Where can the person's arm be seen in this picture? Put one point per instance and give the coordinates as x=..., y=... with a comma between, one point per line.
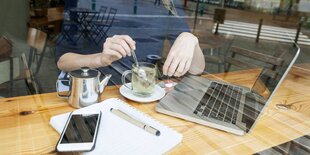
x=184, y=56
x=73, y=61
x=114, y=48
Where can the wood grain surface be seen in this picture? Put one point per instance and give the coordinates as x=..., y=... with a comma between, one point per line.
x=25, y=129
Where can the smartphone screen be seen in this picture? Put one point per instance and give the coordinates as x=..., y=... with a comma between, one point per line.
x=81, y=129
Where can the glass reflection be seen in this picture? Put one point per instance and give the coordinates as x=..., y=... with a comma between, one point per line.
x=87, y=25
x=229, y=105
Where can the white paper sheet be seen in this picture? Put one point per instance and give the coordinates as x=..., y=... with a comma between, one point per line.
x=117, y=136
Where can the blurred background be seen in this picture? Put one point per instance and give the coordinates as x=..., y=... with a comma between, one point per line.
x=32, y=30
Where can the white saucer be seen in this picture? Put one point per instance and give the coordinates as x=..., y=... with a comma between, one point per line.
x=156, y=95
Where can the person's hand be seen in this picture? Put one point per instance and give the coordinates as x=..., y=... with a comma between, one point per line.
x=115, y=48
x=180, y=56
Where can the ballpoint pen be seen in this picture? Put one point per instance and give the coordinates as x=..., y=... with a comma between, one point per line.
x=135, y=122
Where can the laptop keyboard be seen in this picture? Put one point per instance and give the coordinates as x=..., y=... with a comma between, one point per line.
x=221, y=102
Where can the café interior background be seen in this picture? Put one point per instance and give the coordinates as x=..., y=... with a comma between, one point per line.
x=242, y=18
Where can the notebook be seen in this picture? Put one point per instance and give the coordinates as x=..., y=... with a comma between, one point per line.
x=117, y=136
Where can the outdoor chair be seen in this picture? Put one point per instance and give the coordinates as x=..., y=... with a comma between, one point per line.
x=103, y=10
x=15, y=69
x=101, y=27
x=248, y=59
x=36, y=39
x=215, y=47
x=70, y=31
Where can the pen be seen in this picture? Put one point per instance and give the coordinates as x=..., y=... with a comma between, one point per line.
x=135, y=122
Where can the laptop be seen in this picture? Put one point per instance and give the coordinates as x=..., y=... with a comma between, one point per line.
x=222, y=105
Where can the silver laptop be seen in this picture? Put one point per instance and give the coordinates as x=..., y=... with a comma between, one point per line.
x=222, y=105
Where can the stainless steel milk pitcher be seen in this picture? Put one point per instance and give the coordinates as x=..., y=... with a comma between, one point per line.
x=85, y=87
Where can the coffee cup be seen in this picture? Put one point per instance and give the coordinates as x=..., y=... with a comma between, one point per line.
x=143, y=79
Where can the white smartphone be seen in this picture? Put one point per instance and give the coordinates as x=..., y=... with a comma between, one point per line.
x=80, y=132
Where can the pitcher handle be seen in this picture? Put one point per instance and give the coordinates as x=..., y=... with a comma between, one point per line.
x=58, y=92
x=124, y=78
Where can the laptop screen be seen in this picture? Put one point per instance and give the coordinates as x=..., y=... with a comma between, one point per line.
x=268, y=79
x=267, y=83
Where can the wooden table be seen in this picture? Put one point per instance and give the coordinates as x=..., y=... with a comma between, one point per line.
x=25, y=129
x=54, y=17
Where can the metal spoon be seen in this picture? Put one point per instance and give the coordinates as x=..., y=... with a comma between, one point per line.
x=141, y=72
x=135, y=58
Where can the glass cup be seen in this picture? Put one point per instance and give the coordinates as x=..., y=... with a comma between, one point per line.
x=143, y=79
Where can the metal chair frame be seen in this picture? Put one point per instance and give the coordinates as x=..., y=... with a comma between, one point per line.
x=100, y=28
